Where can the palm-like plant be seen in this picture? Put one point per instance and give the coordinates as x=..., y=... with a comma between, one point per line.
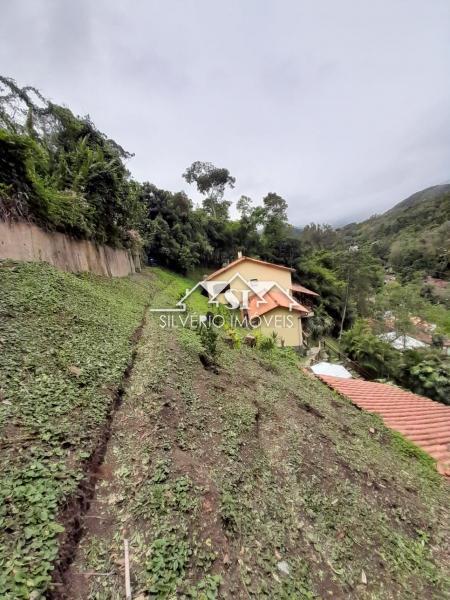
x=375, y=356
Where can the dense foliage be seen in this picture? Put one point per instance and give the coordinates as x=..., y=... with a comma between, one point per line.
x=59, y=170
x=374, y=355
x=424, y=371
x=412, y=237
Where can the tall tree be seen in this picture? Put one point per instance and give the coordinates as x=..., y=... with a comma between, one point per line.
x=275, y=221
x=363, y=275
x=247, y=236
x=244, y=206
x=211, y=181
x=175, y=234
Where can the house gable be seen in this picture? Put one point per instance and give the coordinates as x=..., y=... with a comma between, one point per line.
x=253, y=269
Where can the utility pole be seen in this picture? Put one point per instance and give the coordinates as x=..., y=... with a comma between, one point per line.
x=344, y=310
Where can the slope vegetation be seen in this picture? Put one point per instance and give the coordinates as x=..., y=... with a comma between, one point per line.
x=414, y=235
x=65, y=343
x=249, y=480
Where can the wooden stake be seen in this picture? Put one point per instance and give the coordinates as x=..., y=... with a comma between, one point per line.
x=127, y=571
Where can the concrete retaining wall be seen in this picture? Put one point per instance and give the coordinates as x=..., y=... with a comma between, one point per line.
x=27, y=242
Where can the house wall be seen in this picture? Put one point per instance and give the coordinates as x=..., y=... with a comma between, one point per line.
x=27, y=242
x=278, y=320
x=250, y=270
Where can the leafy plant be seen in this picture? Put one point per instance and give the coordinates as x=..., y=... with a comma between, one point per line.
x=234, y=336
x=266, y=342
x=165, y=565
x=208, y=336
x=207, y=588
x=376, y=357
x=425, y=372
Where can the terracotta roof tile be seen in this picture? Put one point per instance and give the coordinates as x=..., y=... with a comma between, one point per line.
x=421, y=420
x=296, y=287
x=274, y=299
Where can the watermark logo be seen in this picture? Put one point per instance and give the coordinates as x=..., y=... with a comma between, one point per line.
x=249, y=301
x=237, y=293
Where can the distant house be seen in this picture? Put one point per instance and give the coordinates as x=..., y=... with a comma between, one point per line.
x=402, y=342
x=267, y=297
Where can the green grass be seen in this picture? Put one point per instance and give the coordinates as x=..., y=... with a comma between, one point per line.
x=177, y=286
x=65, y=343
x=409, y=449
x=288, y=471
x=438, y=314
x=215, y=477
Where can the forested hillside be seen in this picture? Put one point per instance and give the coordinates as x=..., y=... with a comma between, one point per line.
x=60, y=171
x=412, y=236
x=232, y=473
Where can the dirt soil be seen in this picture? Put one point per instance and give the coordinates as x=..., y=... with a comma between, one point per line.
x=254, y=481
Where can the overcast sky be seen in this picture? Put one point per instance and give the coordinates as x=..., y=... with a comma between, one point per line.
x=340, y=106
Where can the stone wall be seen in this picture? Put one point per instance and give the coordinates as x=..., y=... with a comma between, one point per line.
x=27, y=242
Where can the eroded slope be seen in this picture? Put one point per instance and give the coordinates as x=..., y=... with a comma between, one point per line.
x=255, y=482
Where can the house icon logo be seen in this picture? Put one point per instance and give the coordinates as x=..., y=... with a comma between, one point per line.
x=237, y=293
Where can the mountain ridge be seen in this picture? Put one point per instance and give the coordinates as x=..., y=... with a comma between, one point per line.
x=428, y=193
x=412, y=236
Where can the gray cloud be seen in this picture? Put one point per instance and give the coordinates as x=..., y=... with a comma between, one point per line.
x=341, y=107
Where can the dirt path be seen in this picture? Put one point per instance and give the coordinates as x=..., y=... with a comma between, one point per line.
x=154, y=481
x=250, y=483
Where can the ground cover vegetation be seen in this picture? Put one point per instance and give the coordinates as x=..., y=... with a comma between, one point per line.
x=223, y=478
x=243, y=478
x=65, y=343
x=59, y=170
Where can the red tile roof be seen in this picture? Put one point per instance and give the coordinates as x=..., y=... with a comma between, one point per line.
x=295, y=287
x=244, y=258
x=421, y=420
x=274, y=299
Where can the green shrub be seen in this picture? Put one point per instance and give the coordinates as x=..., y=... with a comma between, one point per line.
x=234, y=336
x=266, y=342
x=376, y=357
x=425, y=372
x=208, y=336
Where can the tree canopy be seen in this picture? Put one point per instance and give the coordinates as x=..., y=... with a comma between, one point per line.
x=59, y=170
